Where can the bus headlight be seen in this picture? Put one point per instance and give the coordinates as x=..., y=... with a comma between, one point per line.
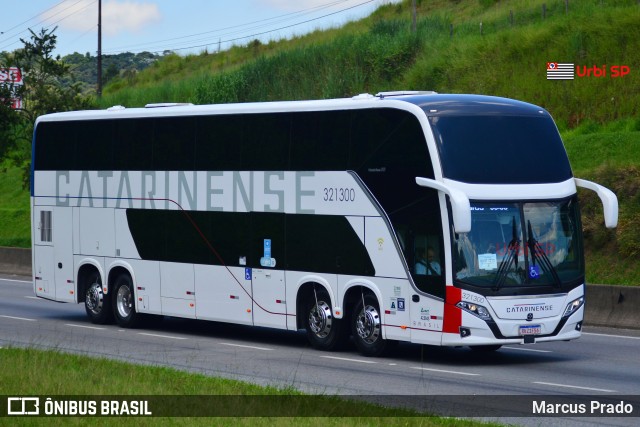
x=475, y=309
x=573, y=306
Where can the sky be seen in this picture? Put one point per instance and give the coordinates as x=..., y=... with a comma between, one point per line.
x=184, y=26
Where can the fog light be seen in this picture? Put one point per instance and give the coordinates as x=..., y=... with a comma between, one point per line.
x=464, y=332
x=579, y=326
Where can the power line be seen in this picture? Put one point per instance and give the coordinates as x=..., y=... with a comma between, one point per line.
x=255, y=34
x=279, y=18
x=30, y=19
x=48, y=18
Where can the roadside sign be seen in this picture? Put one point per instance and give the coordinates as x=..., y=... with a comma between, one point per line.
x=12, y=76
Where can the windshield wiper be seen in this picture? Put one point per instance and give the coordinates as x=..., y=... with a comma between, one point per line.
x=538, y=252
x=512, y=254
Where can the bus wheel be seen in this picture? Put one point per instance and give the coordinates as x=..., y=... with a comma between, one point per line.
x=485, y=348
x=97, y=305
x=366, y=326
x=324, y=331
x=123, y=302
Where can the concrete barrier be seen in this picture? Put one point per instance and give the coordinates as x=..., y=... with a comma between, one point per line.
x=606, y=305
x=15, y=261
x=614, y=306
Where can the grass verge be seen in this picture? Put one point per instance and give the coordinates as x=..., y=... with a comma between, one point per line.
x=51, y=373
x=15, y=223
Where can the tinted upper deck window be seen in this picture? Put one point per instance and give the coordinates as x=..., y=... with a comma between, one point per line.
x=500, y=149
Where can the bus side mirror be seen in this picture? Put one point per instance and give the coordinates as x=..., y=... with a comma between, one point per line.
x=608, y=199
x=459, y=203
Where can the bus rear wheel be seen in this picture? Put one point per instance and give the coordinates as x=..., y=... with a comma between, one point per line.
x=96, y=303
x=124, y=308
x=366, y=326
x=324, y=331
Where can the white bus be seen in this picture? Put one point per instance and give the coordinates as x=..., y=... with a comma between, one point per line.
x=406, y=216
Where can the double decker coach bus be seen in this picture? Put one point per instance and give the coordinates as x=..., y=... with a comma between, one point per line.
x=414, y=216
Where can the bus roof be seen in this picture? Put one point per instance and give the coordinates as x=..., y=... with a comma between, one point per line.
x=433, y=104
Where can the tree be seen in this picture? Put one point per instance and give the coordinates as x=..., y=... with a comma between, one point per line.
x=43, y=76
x=43, y=93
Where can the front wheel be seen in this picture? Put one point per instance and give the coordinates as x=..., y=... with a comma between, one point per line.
x=324, y=331
x=124, y=303
x=96, y=303
x=366, y=327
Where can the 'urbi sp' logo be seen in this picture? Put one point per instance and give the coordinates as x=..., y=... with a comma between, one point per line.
x=568, y=71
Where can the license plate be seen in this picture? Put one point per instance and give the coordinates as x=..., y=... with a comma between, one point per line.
x=531, y=330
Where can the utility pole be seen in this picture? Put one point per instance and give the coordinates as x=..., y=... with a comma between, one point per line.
x=99, y=90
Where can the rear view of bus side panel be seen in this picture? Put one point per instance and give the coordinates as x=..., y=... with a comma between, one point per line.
x=53, y=253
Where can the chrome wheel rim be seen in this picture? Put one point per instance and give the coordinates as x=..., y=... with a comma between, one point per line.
x=368, y=324
x=123, y=301
x=320, y=319
x=94, y=298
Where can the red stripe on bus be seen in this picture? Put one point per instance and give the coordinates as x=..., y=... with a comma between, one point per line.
x=452, y=314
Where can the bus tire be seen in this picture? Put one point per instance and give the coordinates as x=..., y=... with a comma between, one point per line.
x=96, y=303
x=324, y=331
x=124, y=307
x=366, y=326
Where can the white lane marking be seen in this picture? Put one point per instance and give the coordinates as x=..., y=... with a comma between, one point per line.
x=30, y=297
x=18, y=318
x=535, y=350
x=246, y=346
x=346, y=359
x=161, y=336
x=575, y=386
x=85, y=326
x=444, y=371
x=16, y=281
x=611, y=336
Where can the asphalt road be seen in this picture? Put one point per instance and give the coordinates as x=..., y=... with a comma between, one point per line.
x=604, y=363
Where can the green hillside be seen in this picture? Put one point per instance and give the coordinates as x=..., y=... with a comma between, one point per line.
x=447, y=53
x=494, y=47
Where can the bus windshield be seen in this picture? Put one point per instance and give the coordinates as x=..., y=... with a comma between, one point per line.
x=515, y=244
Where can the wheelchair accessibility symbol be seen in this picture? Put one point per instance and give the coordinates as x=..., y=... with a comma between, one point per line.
x=534, y=271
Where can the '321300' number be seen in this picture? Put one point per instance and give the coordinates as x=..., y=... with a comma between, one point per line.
x=339, y=194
